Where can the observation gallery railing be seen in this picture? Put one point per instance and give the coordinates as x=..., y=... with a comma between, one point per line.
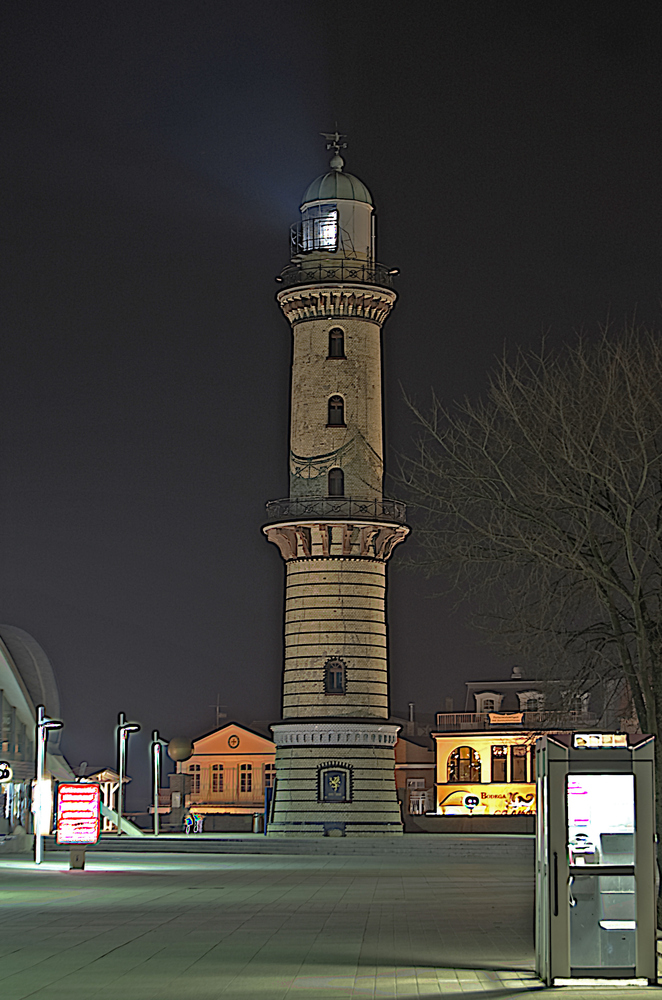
x=342, y=270
x=313, y=508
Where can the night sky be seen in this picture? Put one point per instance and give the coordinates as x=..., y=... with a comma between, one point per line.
x=153, y=158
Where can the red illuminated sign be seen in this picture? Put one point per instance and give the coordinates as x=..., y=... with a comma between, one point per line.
x=78, y=813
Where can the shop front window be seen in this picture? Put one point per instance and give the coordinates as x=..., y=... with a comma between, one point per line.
x=499, y=761
x=464, y=765
x=518, y=761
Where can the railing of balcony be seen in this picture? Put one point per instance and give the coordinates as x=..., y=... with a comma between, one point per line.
x=308, y=508
x=231, y=787
x=311, y=272
x=459, y=721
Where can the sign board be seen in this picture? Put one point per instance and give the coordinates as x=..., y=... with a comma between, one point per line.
x=78, y=813
x=505, y=718
x=6, y=773
x=586, y=741
x=492, y=799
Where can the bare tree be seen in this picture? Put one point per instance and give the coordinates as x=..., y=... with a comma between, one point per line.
x=545, y=500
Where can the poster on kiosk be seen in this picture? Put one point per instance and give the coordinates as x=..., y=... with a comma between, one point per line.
x=78, y=813
x=595, y=871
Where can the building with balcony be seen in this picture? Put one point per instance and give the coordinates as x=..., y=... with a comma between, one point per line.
x=228, y=772
x=485, y=756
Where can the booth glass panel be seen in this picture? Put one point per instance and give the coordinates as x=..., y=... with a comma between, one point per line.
x=600, y=810
x=602, y=924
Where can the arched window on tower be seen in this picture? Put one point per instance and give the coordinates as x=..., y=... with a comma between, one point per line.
x=336, y=412
x=463, y=765
x=334, y=677
x=336, y=343
x=336, y=483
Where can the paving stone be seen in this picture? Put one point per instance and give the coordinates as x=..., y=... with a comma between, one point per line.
x=271, y=927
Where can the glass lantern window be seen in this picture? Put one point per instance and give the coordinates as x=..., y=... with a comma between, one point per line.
x=318, y=229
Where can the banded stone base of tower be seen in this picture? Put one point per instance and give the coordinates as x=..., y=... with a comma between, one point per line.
x=308, y=756
x=335, y=760
x=335, y=748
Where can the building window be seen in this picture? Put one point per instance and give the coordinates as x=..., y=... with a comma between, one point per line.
x=531, y=701
x=336, y=343
x=488, y=701
x=269, y=775
x=217, y=778
x=245, y=777
x=194, y=771
x=499, y=759
x=463, y=765
x=518, y=760
x=335, y=784
x=336, y=483
x=336, y=412
x=334, y=677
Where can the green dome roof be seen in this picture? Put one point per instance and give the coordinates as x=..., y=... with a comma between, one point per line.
x=335, y=184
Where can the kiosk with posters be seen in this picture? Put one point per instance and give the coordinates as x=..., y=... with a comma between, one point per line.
x=595, y=858
x=78, y=818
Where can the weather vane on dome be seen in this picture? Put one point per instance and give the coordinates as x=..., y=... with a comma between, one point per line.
x=333, y=140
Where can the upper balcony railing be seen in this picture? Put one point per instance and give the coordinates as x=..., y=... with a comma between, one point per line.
x=311, y=272
x=452, y=722
x=347, y=508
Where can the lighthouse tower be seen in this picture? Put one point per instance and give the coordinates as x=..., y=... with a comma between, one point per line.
x=336, y=530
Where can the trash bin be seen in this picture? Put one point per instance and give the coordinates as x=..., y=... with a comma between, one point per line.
x=258, y=823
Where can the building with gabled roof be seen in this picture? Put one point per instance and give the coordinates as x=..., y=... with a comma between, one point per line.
x=229, y=770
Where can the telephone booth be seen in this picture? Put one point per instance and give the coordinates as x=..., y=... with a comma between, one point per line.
x=595, y=858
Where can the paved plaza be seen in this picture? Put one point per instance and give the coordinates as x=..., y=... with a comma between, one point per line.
x=269, y=927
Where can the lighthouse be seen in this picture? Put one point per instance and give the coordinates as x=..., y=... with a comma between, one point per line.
x=335, y=531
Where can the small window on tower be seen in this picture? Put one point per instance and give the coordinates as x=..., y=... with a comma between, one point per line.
x=336, y=483
x=334, y=677
x=336, y=412
x=336, y=343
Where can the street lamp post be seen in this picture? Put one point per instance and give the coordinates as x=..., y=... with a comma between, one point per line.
x=157, y=745
x=123, y=730
x=43, y=724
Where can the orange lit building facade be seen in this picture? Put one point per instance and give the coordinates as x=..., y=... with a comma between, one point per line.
x=488, y=773
x=229, y=771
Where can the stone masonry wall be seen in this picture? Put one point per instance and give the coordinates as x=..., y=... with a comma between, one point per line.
x=356, y=378
x=335, y=607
